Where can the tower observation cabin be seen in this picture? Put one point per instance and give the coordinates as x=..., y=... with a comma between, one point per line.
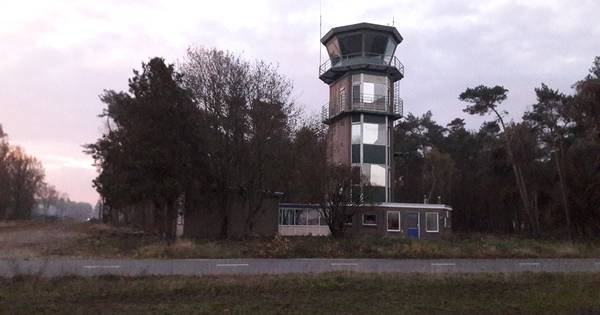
x=363, y=75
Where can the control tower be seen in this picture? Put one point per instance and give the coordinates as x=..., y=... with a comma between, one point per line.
x=363, y=75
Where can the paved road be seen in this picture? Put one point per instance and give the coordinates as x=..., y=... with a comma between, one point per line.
x=198, y=267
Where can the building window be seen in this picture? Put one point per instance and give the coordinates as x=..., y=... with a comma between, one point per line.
x=312, y=217
x=374, y=174
x=286, y=217
x=356, y=99
x=374, y=133
x=393, y=221
x=369, y=219
x=341, y=100
x=356, y=134
x=374, y=154
x=301, y=217
x=322, y=221
x=368, y=92
x=373, y=194
x=348, y=220
x=432, y=222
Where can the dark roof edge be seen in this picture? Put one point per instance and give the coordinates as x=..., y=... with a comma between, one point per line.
x=362, y=26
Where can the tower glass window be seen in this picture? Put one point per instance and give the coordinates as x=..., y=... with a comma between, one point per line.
x=375, y=174
x=370, y=92
x=374, y=133
x=369, y=136
x=351, y=44
x=375, y=43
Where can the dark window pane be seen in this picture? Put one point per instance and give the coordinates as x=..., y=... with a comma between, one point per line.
x=333, y=48
x=351, y=44
x=393, y=221
x=389, y=50
x=374, y=194
x=356, y=97
x=375, y=43
x=356, y=153
x=432, y=221
x=355, y=117
x=374, y=154
x=369, y=219
x=376, y=119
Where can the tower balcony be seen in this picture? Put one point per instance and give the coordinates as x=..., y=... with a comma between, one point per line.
x=365, y=103
x=335, y=67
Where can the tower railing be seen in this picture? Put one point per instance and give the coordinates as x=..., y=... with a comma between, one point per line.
x=398, y=102
x=370, y=102
x=325, y=112
x=361, y=58
x=398, y=106
x=375, y=103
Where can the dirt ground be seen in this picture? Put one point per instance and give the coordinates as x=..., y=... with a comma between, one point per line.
x=35, y=239
x=40, y=239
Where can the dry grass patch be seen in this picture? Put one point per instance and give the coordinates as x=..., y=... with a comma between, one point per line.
x=336, y=293
x=92, y=240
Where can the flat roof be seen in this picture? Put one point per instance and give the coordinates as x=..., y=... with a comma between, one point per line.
x=437, y=206
x=362, y=26
x=433, y=206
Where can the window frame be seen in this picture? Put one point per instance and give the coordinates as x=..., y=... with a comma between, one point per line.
x=387, y=217
x=437, y=222
x=369, y=224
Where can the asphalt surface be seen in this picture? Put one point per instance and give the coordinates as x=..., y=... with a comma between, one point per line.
x=200, y=267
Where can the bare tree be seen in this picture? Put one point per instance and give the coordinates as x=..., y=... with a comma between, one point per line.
x=248, y=117
x=4, y=175
x=48, y=196
x=26, y=177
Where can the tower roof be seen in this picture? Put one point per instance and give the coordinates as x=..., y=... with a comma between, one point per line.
x=362, y=26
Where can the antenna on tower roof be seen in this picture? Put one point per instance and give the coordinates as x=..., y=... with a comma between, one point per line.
x=320, y=31
x=392, y=21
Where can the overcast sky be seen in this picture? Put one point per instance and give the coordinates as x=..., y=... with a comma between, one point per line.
x=57, y=56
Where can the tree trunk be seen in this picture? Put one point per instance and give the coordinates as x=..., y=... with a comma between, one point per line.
x=171, y=222
x=563, y=193
x=519, y=178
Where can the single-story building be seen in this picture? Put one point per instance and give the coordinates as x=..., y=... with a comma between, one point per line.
x=406, y=220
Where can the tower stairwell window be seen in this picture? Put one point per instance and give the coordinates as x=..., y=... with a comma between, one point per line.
x=341, y=100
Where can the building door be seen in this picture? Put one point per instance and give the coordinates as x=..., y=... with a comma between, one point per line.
x=412, y=225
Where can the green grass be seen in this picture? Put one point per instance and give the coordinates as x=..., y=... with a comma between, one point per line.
x=306, y=294
x=110, y=242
